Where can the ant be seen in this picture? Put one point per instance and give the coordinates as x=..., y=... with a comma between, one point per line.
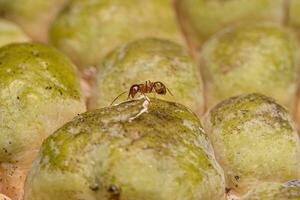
x=148, y=87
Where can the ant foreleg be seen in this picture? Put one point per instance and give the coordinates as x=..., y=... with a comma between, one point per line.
x=145, y=97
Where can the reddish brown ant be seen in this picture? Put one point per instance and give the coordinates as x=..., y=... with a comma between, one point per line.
x=148, y=87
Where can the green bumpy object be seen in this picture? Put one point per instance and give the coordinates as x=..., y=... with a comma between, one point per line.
x=154, y=60
x=142, y=150
x=261, y=58
x=204, y=18
x=39, y=91
x=87, y=30
x=255, y=141
x=33, y=16
x=11, y=33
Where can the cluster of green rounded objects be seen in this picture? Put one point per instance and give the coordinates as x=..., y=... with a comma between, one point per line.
x=139, y=149
x=33, y=16
x=204, y=18
x=11, y=33
x=39, y=91
x=259, y=58
x=149, y=59
x=255, y=141
x=87, y=30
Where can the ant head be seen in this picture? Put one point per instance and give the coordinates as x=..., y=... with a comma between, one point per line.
x=160, y=88
x=133, y=90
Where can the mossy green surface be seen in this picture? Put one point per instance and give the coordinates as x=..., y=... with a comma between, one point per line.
x=154, y=60
x=259, y=58
x=11, y=33
x=275, y=191
x=206, y=17
x=34, y=16
x=38, y=87
x=87, y=30
x=135, y=150
x=255, y=141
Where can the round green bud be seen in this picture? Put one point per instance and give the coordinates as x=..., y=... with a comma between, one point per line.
x=140, y=149
x=34, y=16
x=39, y=91
x=203, y=18
x=149, y=59
x=255, y=141
x=260, y=58
x=11, y=33
x=87, y=30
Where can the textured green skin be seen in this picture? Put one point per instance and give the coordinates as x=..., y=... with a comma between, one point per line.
x=254, y=140
x=11, y=33
x=273, y=191
x=162, y=154
x=149, y=59
x=87, y=30
x=206, y=17
x=261, y=58
x=36, y=81
x=34, y=16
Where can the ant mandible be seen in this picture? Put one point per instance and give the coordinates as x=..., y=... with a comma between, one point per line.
x=148, y=87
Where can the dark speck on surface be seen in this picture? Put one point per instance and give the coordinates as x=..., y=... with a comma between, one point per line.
x=94, y=187
x=237, y=178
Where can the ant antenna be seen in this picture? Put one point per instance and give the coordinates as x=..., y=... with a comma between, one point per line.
x=118, y=97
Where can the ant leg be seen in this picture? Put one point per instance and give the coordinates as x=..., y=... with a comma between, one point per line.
x=148, y=83
x=146, y=98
